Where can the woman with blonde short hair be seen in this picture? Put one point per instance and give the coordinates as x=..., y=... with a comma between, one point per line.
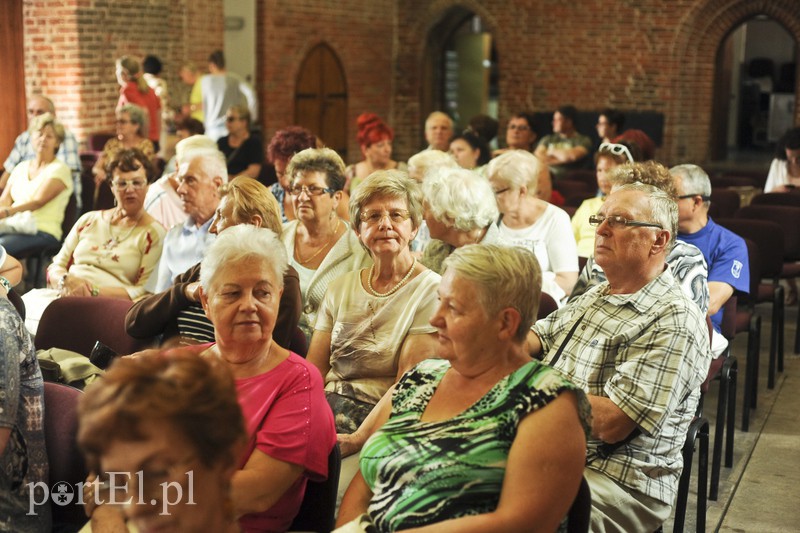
x=532, y=223
x=483, y=416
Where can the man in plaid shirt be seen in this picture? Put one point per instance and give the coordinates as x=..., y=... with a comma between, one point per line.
x=640, y=349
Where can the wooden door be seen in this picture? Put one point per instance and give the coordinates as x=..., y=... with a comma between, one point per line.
x=12, y=72
x=320, y=102
x=721, y=100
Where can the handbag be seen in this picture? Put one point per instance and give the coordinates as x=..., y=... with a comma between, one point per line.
x=23, y=223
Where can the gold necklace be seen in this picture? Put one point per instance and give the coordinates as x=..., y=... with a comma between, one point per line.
x=115, y=240
x=393, y=289
x=315, y=254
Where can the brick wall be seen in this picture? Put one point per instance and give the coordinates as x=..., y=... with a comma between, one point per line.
x=360, y=33
x=645, y=54
x=632, y=54
x=71, y=46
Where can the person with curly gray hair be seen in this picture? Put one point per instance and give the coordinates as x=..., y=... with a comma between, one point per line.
x=460, y=209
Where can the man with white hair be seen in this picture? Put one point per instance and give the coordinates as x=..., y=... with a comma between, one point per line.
x=438, y=131
x=639, y=348
x=200, y=173
x=724, y=251
x=23, y=149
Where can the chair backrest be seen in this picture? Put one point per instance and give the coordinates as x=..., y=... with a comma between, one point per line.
x=318, y=510
x=75, y=323
x=546, y=305
x=728, y=324
x=16, y=301
x=724, y=202
x=776, y=198
x=786, y=217
x=734, y=181
x=580, y=513
x=299, y=343
x=767, y=238
x=64, y=457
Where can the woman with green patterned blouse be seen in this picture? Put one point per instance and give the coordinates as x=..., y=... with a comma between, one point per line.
x=483, y=439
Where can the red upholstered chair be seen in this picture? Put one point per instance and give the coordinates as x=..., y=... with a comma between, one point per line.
x=65, y=460
x=768, y=238
x=546, y=305
x=724, y=202
x=76, y=323
x=787, y=218
x=777, y=198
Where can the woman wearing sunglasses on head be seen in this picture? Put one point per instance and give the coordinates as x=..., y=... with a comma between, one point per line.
x=108, y=253
x=244, y=153
x=608, y=157
x=321, y=246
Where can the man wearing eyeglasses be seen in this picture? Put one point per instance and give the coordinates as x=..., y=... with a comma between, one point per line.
x=200, y=173
x=724, y=251
x=23, y=148
x=638, y=346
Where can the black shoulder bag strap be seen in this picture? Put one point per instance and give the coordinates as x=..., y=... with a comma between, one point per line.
x=557, y=356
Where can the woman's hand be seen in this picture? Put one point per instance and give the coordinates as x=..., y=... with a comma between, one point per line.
x=74, y=286
x=89, y=499
x=348, y=444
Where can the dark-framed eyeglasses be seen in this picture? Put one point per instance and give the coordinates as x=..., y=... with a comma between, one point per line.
x=702, y=197
x=617, y=221
x=313, y=190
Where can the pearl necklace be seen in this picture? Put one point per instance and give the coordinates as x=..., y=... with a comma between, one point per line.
x=393, y=289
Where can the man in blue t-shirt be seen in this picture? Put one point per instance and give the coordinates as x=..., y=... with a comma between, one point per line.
x=724, y=251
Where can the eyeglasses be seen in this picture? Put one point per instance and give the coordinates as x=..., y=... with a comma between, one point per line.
x=616, y=221
x=121, y=185
x=374, y=217
x=702, y=197
x=616, y=149
x=313, y=190
x=521, y=127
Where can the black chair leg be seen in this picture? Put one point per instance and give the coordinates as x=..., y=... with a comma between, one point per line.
x=781, y=318
x=731, y=369
x=719, y=434
x=698, y=429
x=751, y=371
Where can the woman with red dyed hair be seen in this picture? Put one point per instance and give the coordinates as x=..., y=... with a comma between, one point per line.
x=375, y=138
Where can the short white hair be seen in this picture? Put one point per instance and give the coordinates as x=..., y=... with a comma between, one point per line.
x=240, y=243
x=518, y=168
x=429, y=160
x=195, y=142
x=213, y=162
x=460, y=198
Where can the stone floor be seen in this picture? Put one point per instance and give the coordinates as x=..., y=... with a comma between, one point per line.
x=761, y=492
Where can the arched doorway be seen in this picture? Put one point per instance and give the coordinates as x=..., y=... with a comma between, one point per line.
x=460, y=75
x=320, y=100
x=754, y=89
x=12, y=70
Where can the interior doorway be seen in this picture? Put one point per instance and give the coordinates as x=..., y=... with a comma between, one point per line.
x=460, y=71
x=321, y=98
x=754, y=91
